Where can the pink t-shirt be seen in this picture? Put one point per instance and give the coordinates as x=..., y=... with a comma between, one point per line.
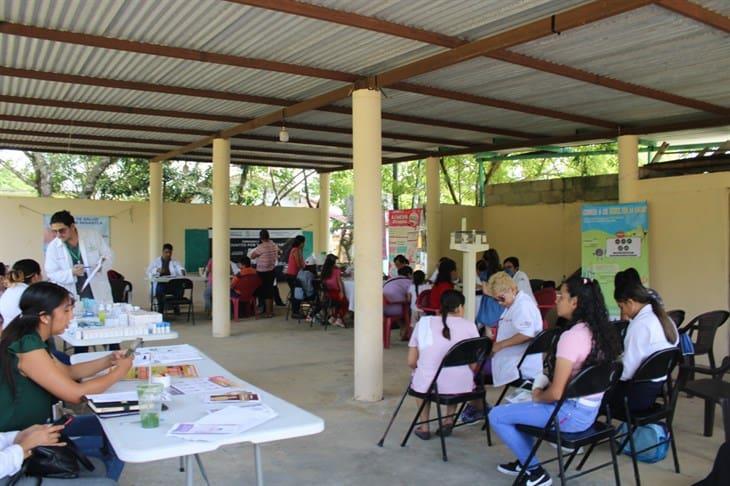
x=432, y=347
x=575, y=345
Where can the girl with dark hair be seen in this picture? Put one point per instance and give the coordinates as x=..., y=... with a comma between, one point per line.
x=631, y=277
x=492, y=264
x=32, y=380
x=650, y=330
x=332, y=281
x=444, y=281
x=432, y=338
x=23, y=273
x=588, y=339
x=418, y=285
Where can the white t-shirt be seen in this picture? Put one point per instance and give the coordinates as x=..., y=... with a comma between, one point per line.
x=10, y=303
x=644, y=336
x=522, y=317
x=412, y=292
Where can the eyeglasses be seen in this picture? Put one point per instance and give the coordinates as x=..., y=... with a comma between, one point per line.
x=60, y=231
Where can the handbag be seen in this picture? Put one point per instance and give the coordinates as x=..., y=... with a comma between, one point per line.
x=57, y=462
x=489, y=311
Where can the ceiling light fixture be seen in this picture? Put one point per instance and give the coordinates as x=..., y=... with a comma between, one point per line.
x=283, y=134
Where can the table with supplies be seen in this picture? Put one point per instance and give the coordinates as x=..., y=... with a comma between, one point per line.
x=187, y=407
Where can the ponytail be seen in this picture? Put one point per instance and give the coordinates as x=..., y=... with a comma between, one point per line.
x=23, y=271
x=668, y=325
x=450, y=301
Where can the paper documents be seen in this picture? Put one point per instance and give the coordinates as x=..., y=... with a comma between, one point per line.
x=93, y=274
x=230, y=420
x=191, y=386
x=166, y=355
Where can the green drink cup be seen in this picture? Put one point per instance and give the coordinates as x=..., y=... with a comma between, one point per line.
x=150, y=404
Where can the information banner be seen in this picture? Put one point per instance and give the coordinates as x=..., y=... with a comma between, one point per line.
x=614, y=238
x=100, y=224
x=404, y=236
x=245, y=239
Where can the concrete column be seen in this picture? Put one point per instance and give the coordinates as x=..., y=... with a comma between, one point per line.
x=368, y=237
x=628, y=168
x=221, y=237
x=433, y=213
x=324, y=212
x=155, y=233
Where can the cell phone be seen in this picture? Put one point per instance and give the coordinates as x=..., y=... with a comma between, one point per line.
x=63, y=420
x=130, y=351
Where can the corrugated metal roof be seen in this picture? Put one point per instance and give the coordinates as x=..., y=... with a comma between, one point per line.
x=650, y=46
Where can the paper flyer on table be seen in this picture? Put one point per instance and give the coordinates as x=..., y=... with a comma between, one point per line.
x=230, y=420
x=166, y=355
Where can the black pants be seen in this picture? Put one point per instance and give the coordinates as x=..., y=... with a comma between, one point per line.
x=295, y=303
x=162, y=292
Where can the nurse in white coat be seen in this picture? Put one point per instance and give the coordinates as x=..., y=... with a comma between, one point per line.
x=72, y=257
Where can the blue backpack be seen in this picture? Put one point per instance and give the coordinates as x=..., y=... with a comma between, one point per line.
x=489, y=311
x=647, y=436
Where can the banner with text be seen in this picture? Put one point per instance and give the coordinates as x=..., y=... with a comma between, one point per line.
x=404, y=237
x=614, y=237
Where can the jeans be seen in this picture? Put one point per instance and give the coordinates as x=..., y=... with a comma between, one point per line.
x=573, y=417
x=89, y=437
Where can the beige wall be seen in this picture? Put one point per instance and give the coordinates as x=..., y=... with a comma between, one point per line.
x=23, y=229
x=689, y=221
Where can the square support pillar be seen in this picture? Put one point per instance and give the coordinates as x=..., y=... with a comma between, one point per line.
x=628, y=168
x=433, y=213
x=155, y=208
x=324, y=213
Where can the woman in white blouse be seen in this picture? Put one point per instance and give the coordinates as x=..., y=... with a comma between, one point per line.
x=650, y=330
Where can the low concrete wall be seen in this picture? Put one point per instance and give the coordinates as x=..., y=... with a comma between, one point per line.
x=554, y=191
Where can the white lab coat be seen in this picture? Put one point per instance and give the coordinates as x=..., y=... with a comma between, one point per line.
x=523, y=283
x=176, y=270
x=522, y=317
x=59, y=266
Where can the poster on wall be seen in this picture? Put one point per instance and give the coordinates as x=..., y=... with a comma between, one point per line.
x=99, y=224
x=404, y=237
x=614, y=237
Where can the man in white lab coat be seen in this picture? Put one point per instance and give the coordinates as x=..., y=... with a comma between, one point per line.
x=164, y=266
x=72, y=257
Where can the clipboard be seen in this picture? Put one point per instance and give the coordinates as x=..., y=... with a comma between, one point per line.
x=93, y=273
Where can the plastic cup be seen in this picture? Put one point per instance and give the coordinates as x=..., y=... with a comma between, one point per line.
x=150, y=404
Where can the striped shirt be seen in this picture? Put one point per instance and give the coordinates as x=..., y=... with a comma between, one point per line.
x=266, y=254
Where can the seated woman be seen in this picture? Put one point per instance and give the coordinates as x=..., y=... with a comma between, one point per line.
x=332, y=282
x=588, y=339
x=32, y=380
x=431, y=340
x=444, y=281
x=418, y=285
x=16, y=446
x=650, y=330
x=520, y=322
x=23, y=273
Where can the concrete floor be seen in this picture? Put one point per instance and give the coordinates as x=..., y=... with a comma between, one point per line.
x=313, y=369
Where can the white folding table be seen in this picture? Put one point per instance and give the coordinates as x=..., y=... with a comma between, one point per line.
x=134, y=444
x=102, y=341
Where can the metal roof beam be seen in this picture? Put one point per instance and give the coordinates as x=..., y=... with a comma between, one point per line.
x=698, y=13
x=179, y=131
x=224, y=95
x=377, y=25
x=582, y=137
x=216, y=118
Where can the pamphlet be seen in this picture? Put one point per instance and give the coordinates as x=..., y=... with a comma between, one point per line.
x=181, y=370
x=191, y=386
x=239, y=397
x=166, y=355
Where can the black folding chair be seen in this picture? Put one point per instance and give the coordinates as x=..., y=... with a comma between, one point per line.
x=467, y=352
x=712, y=390
x=657, y=365
x=177, y=287
x=542, y=343
x=676, y=315
x=702, y=330
x=590, y=381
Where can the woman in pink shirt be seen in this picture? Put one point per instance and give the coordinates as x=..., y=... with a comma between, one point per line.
x=588, y=339
x=432, y=338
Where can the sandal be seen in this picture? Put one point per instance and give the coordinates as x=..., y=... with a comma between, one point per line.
x=422, y=434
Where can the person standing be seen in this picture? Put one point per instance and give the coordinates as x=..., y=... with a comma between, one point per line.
x=164, y=266
x=73, y=255
x=266, y=255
